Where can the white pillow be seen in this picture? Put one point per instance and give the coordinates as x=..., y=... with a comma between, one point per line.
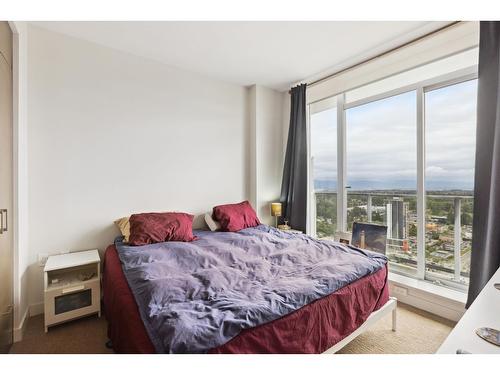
x=212, y=224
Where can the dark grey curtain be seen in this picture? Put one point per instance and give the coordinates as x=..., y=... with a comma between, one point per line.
x=294, y=183
x=485, y=257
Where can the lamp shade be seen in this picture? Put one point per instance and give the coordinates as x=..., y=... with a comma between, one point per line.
x=275, y=209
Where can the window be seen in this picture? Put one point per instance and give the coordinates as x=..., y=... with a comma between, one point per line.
x=323, y=164
x=400, y=152
x=450, y=122
x=381, y=171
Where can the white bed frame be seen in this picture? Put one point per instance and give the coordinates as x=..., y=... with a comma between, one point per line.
x=390, y=306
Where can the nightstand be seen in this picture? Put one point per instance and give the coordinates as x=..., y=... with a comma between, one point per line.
x=72, y=287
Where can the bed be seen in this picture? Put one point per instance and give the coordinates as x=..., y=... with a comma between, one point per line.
x=315, y=296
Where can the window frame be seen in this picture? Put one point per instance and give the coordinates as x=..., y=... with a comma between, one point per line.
x=421, y=88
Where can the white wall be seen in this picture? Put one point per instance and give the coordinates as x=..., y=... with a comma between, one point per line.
x=252, y=136
x=285, y=98
x=110, y=134
x=267, y=154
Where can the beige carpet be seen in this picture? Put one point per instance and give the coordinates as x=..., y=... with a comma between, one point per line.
x=82, y=336
x=418, y=332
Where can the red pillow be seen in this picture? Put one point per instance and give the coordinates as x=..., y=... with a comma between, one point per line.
x=156, y=227
x=233, y=217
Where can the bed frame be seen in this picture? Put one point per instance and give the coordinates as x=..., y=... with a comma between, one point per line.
x=390, y=306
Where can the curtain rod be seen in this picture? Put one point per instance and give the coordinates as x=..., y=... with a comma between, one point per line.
x=315, y=82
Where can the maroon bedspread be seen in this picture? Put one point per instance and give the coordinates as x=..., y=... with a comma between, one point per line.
x=312, y=329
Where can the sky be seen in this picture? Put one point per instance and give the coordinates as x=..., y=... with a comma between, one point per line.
x=381, y=141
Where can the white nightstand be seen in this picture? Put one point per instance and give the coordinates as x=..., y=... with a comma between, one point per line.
x=72, y=287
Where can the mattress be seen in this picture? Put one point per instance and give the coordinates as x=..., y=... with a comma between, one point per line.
x=312, y=328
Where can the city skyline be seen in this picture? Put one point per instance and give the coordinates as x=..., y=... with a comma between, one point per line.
x=372, y=185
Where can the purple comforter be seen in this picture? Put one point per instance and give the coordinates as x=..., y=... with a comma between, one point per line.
x=194, y=296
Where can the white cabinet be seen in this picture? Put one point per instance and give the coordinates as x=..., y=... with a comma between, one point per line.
x=72, y=287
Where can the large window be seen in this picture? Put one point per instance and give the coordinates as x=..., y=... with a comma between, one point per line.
x=404, y=158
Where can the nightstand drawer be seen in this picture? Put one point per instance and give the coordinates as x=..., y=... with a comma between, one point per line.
x=70, y=302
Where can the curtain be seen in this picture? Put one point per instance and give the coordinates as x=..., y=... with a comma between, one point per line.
x=294, y=183
x=485, y=256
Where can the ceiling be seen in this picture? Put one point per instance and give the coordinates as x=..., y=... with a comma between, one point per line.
x=272, y=54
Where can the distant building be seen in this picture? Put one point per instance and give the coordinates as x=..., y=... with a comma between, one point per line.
x=442, y=254
x=446, y=238
x=447, y=246
x=439, y=219
x=397, y=219
x=431, y=226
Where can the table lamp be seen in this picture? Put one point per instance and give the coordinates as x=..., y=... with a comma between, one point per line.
x=276, y=211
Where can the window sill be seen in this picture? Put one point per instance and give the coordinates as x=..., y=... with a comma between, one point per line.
x=427, y=296
x=429, y=287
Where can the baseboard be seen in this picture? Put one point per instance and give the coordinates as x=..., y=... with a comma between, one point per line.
x=32, y=310
x=36, y=309
x=19, y=331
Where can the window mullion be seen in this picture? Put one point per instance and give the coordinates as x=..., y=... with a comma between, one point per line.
x=420, y=184
x=341, y=166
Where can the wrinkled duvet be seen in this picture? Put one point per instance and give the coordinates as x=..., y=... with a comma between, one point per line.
x=195, y=296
